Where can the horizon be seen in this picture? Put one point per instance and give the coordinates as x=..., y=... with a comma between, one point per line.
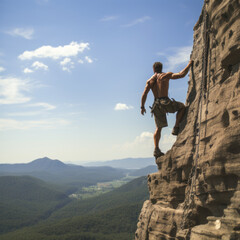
x=72, y=76
x=76, y=163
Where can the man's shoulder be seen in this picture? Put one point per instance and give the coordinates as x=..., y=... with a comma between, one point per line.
x=165, y=76
x=168, y=74
x=152, y=78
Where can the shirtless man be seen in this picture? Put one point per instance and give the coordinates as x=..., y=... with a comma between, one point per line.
x=159, y=84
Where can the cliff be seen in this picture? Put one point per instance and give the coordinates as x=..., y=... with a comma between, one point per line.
x=196, y=192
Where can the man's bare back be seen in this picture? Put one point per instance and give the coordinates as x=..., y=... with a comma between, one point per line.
x=159, y=84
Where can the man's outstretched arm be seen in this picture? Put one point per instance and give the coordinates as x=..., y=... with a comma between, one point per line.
x=182, y=73
x=144, y=97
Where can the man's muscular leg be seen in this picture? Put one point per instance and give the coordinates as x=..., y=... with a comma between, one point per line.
x=157, y=135
x=179, y=118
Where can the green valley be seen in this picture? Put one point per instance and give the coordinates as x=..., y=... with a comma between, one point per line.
x=100, y=188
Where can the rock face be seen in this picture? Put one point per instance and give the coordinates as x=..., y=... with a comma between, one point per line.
x=196, y=192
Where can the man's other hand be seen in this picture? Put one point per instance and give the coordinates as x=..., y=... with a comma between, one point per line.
x=143, y=110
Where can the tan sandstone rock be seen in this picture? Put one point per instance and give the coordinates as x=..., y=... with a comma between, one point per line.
x=214, y=113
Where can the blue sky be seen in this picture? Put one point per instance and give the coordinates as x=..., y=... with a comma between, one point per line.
x=72, y=74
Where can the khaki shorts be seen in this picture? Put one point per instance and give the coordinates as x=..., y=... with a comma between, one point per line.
x=161, y=106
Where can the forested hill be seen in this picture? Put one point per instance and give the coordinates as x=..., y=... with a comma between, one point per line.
x=109, y=216
x=25, y=200
x=27, y=188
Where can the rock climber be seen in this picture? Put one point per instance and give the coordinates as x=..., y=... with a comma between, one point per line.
x=159, y=84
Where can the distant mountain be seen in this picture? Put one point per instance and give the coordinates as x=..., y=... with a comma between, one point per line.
x=41, y=164
x=144, y=171
x=58, y=172
x=128, y=163
x=47, y=164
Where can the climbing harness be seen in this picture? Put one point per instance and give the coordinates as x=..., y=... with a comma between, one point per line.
x=191, y=185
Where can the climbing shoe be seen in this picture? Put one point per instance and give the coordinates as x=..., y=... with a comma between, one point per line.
x=157, y=153
x=175, y=131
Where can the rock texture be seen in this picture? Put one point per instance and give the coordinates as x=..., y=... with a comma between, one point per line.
x=205, y=159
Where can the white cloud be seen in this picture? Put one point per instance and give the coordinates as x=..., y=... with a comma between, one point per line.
x=36, y=65
x=67, y=64
x=143, y=137
x=22, y=32
x=179, y=57
x=88, y=59
x=12, y=124
x=27, y=70
x=46, y=106
x=137, y=21
x=182, y=56
x=23, y=114
x=108, y=18
x=11, y=90
x=65, y=61
x=2, y=69
x=122, y=106
x=143, y=145
x=39, y=65
x=167, y=141
x=66, y=69
x=72, y=49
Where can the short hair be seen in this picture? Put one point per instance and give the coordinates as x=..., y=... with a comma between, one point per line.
x=157, y=67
